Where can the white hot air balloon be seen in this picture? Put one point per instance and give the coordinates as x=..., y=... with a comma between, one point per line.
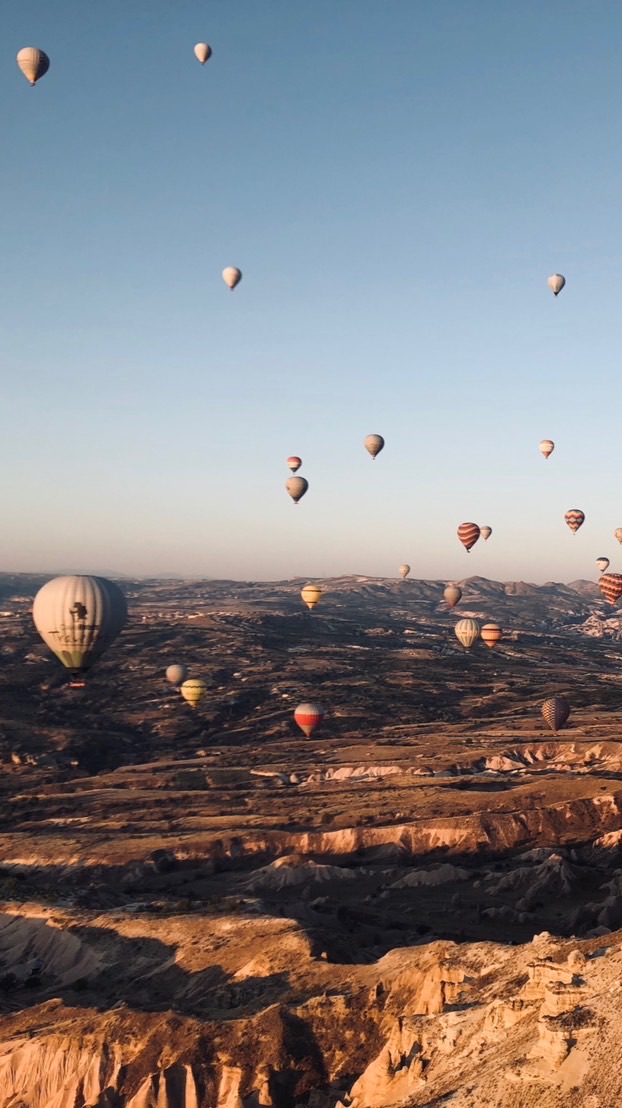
x=78, y=618
x=33, y=63
x=232, y=276
x=556, y=283
x=203, y=52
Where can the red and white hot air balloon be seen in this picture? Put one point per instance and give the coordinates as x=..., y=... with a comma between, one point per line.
x=546, y=447
x=610, y=584
x=309, y=717
x=294, y=463
x=468, y=533
x=575, y=519
x=491, y=634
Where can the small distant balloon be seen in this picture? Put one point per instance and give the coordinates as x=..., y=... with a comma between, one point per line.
x=231, y=276
x=404, y=571
x=617, y=534
x=203, y=52
x=468, y=533
x=453, y=595
x=33, y=63
x=294, y=463
x=491, y=634
x=610, y=584
x=311, y=595
x=575, y=519
x=485, y=532
x=296, y=487
x=193, y=691
x=556, y=283
x=603, y=564
x=556, y=712
x=309, y=717
x=467, y=631
x=176, y=674
x=546, y=447
x=374, y=444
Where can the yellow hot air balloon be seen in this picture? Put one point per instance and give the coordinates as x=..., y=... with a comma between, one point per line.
x=231, y=276
x=404, y=571
x=311, y=595
x=78, y=618
x=203, y=52
x=491, y=634
x=374, y=444
x=33, y=63
x=193, y=690
x=467, y=631
x=546, y=447
x=556, y=283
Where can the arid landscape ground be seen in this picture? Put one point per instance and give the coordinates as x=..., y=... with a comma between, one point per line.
x=417, y=906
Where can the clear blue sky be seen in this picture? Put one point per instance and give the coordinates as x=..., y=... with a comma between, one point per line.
x=396, y=179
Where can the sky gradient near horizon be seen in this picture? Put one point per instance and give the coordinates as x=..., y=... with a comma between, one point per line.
x=396, y=180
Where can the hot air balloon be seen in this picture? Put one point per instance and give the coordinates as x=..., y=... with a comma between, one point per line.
x=374, y=444
x=453, y=595
x=546, y=447
x=491, y=634
x=294, y=463
x=404, y=571
x=311, y=595
x=602, y=563
x=610, y=584
x=617, y=534
x=309, y=717
x=193, y=690
x=176, y=674
x=574, y=518
x=485, y=532
x=231, y=276
x=296, y=487
x=468, y=533
x=556, y=712
x=467, y=631
x=78, y=618
x=33, y=63
x=203, y=52
x=556, y=283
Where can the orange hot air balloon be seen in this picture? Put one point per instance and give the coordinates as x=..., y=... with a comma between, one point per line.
x=491, y=634
x=556, y=712
x=311, y=595
x=309, y=717
x=294, y=463
x=610, y=584
x=453, y=595
x=546, y=447
x=574, y=518
x=296, y=487
x=468, y=533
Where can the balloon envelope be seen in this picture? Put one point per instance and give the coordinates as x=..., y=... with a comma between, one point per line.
x=311, y=595
x=78, y=618
x=33, y=63
x=574, y=518
x=453, y=595
x=176, y=674
x=193, y=691
x=309, y=717
x=404, y=570
x=546, y=447
x=468, y=533
x=467, y=631
x=556, y=283
x=610, y=584
x=556, y=712
x=294, y=463
x=603, y=564
x=617, y=534
x=491, y=634
x=485, y=532
x=374, y=444
x=296, y=487
x=231, y=276
x=203, y=52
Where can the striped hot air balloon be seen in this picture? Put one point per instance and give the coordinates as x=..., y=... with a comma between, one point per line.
x=294, y=463
x=467, y=631
x=296, y=487
x=610, y=584
x=452, y=595
x=468, y=533
x=556, y=712
x=603, y=564
x=311, y=596
x=309, y=717
x=574, y=518
x=546, y=447
x=491, y=634
x=193, y=690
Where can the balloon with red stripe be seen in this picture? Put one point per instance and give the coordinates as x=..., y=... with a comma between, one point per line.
x=556, y=712
x=610, y=584
x=468, y=533
x=575, y=519
x=294, y=463
x=309, y=717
